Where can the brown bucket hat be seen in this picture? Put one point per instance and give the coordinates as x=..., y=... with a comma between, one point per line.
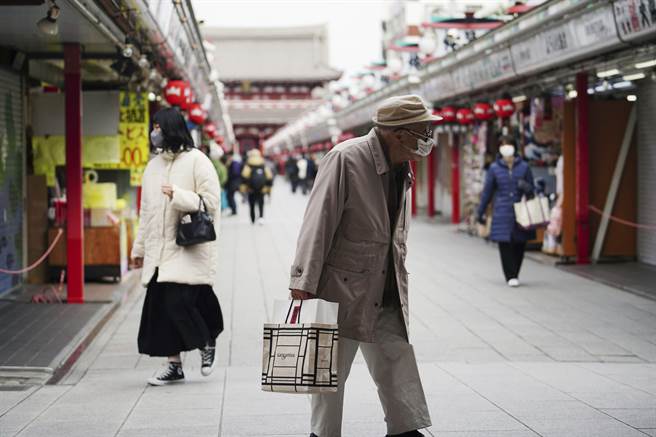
x=402, y=110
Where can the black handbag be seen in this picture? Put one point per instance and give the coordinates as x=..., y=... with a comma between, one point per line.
x=196, y=227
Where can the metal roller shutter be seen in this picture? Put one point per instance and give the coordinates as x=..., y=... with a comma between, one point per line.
x=647, y=170
x=12, y=149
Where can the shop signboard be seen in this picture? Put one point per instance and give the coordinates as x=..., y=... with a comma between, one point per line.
x=584, y=34
x=635, y=19
x=134, y=144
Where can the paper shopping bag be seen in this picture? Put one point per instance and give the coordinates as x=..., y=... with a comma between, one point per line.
x=300, y=347
x=534, y=213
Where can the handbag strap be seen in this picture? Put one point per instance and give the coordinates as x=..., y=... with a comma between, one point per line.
x=294, y=316
x=201, y=203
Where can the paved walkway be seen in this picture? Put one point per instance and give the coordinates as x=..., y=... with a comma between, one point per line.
x=560, y=356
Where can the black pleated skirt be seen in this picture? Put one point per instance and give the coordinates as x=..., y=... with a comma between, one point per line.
x=178, y=318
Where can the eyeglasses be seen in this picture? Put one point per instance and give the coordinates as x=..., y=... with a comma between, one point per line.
x=425, y=136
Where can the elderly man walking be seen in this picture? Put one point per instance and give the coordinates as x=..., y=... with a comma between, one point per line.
x=351, y=250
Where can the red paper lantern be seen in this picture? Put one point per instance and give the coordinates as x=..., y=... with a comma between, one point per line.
x=483, y=111
x=465, y=116
x=504, y=108
x=210, y=129
x=448, y=114
x=176, y=92
x=197, y=114
x=188, y=100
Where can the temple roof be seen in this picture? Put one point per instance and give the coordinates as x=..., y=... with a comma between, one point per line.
x=271, y=54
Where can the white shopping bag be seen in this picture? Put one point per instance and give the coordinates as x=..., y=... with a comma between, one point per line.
x=534, y=213
x=300, y=347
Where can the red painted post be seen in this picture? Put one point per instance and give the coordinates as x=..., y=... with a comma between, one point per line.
x=455, y=180
x=431, y=182
x=582, y=171
x=413, y=207
x=75, y=222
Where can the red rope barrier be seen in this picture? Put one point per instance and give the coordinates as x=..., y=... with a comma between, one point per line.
x=622, y=221
x=60, y=232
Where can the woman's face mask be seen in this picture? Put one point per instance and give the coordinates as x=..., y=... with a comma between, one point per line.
x=157, y=138
x=507, y=150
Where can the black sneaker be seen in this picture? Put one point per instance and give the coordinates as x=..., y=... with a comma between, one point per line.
x=171, y=373
x=207, y=359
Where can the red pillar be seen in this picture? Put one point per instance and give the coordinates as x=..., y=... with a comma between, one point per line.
x=75, y=222
x=413, y=165
x=582, y=171
x=431, y=182
x=455, y=180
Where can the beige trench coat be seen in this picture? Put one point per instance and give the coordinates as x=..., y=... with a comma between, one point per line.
x=343, y=245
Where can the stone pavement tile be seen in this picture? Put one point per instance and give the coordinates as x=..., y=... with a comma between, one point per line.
x=268, y=425
x=179, y=416
x=638, y=418
x=597, y=427
x=629, y=398
x=514, y=433
x=569, y=377
x=171, y=431
x=70, y=428
x=115, y=361
x=548, y=410
x=161, y=400
x=474, y=421
x=10, y=399
x=19, y=417
x=649, y=431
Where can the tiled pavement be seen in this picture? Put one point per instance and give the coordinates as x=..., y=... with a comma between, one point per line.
x=560, y=356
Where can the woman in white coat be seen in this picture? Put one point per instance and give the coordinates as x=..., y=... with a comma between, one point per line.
x=181, y=311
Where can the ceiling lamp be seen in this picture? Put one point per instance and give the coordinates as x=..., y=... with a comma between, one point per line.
x=608, y=73
x=48, y=24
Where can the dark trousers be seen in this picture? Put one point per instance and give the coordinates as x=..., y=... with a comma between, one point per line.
x=512, y=256
x=303, y=183
x=231, y=200
x=256, y=198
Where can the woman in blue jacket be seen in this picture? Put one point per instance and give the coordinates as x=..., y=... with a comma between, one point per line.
x=508, y=179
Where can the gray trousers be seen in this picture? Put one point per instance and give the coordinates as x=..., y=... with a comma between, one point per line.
x=393, y=367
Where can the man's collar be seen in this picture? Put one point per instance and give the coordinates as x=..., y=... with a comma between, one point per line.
x=376, y=148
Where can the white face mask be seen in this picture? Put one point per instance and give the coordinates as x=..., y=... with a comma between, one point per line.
x=507, y=150
x=424, y=147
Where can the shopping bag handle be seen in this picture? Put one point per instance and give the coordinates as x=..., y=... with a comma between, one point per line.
x=295, y=314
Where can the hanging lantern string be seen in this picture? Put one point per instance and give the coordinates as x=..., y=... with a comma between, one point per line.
x=60, y=232
x=622, y=221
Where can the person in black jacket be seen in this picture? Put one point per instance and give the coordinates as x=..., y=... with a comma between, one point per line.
x=508, y=179
x=257, y=180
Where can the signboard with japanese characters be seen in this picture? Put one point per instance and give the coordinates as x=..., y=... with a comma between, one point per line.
x=635, y=18
x=590, y=31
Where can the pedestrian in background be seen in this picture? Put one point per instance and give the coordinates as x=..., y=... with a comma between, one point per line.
x=256, y=182
x=180, y=312
x=303, y=172
x=507, y=180
x=351, y=250
x=234, y=179
x=292, y=172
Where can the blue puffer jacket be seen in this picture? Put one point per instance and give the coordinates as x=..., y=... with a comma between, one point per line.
x=502, y=184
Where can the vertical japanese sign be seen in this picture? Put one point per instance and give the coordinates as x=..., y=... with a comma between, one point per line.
x=133, y=134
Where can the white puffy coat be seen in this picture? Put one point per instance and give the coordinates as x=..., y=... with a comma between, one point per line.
x=190, y=173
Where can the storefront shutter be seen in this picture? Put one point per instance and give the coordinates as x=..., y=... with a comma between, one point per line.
x=12, y=150
x=647, y=170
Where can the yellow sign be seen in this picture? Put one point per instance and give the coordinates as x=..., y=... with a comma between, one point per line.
x=50, y=151
x=128, y=150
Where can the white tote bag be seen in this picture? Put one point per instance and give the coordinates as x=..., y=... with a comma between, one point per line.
x=300, y=347
x=534, y=213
